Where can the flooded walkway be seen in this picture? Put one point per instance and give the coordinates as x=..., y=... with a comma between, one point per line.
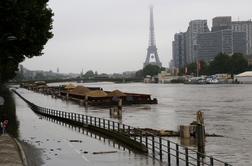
x=61, y=144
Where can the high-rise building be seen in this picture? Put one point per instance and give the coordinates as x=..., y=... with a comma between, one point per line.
x=244, y=26
x=221, y=23
x=178, y=50
x=195, y=27
x=198, y=43
x=224, y=41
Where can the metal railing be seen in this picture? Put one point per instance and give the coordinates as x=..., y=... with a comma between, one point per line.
x=162, y=149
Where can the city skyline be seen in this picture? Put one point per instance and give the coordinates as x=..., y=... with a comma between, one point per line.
x=112, y=36
x=198, y=43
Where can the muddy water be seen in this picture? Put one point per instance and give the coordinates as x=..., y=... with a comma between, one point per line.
x=227, y=109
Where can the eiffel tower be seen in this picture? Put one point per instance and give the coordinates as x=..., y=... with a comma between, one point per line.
x=152, y=55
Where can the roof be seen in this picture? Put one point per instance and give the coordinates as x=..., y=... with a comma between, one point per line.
x=245, y=74
x=116, y=93
x=69, y=86
x=80, y=90
x=97, y=93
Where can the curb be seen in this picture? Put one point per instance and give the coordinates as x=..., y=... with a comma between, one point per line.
x=21, y=152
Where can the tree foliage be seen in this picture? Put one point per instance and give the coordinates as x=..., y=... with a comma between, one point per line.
x=139, y=74
x=151, y=70
x=89, y=74
x=25, y=29
x=222, y=63
x=239, y=63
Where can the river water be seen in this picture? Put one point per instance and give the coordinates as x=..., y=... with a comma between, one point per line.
x=227, y=110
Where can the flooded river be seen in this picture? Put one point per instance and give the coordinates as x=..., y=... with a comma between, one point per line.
x=227, y=110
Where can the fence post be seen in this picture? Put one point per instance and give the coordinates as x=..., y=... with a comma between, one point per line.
x=123, y=128
x=211, y=161
x=198, y=159
x=153, y=145
x=129, y=130
x=169, y=152
x=113, y=126
x=140, y=135
x=99, y=122
x=108, y=125
x=186, y=156
x=95, y=121
x=118, y=127
x=160, y=149
x=86, y=119
x=146, y=141
x=177, y=154
x=82, y=119
x=104, y=125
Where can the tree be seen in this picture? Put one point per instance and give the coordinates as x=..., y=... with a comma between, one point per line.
x=192, y=68
x=220, y=64
x=139, y=74
x=238, y=63
x=89, y=74
x=224, y=63
x=151, y=70
x=25, y=29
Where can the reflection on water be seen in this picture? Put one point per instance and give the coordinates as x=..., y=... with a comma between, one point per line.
x=227, y=110
x=92, y=134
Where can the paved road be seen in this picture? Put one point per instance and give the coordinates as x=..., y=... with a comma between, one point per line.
x=9, y=152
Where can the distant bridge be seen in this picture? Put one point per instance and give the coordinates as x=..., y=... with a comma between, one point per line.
x=164, y=150
x=84, y=80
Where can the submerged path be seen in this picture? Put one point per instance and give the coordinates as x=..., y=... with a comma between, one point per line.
x=63, y=144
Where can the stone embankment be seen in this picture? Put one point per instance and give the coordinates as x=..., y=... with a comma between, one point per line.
x=11, y=152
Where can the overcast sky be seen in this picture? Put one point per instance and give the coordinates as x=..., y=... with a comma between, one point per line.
x=112, y=35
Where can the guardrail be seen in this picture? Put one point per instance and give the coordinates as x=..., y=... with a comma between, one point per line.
x=162, y=149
